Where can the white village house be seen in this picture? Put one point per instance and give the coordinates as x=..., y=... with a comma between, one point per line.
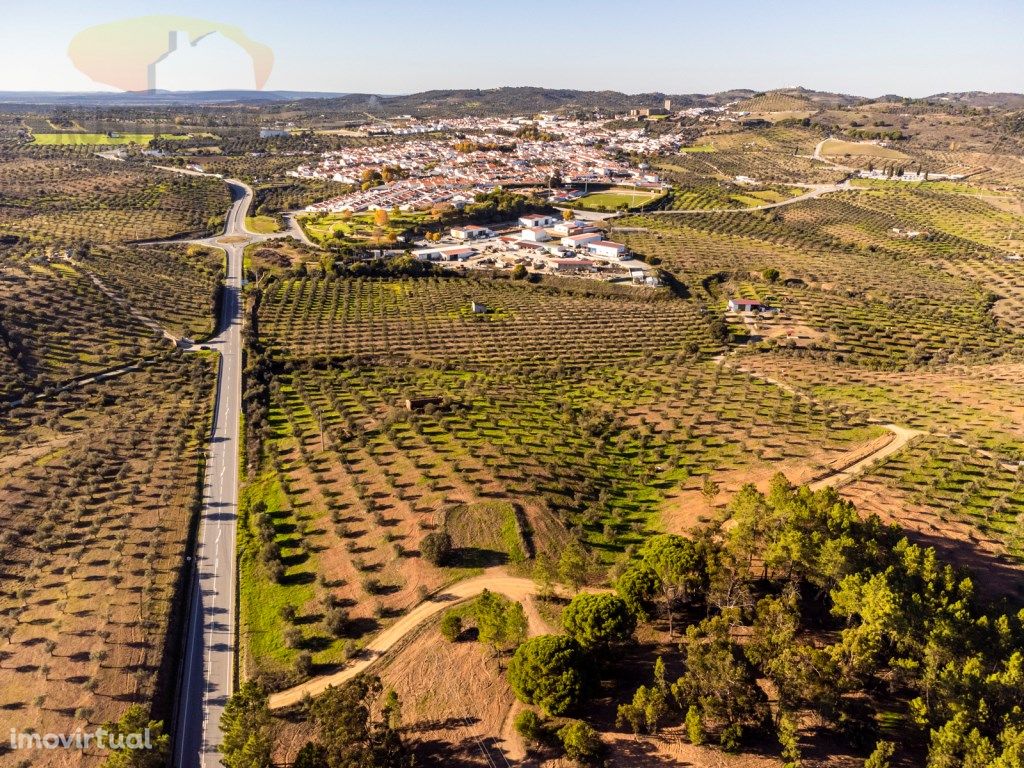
x=470, y=232
x=744, y=305
x=536, y=220
x=572, y=227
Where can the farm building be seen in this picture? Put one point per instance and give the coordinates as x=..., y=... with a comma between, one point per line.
x=607, y=249
x=572, y=227
x=477, y=308
x=525, y=245
x=536, y=220
x=574, y=265
x=578, y=241
x=745, y=305
x=444, y=254
x=534, y=235
x=470, y=232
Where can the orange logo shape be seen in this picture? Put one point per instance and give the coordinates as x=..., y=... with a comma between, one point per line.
x=125, y=53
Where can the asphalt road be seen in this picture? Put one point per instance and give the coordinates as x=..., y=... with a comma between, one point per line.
x=207, y=676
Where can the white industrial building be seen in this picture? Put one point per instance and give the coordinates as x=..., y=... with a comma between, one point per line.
x=571, y=227
x=457, y=253
x=607, y=249
x=534, y=235
x=578, y=241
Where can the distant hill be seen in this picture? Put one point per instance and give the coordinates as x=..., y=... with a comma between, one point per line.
x=980, y=99
x=501, y=101
x=520, y=100
x=775, y=102
x=530, y=99
x=151, y=98
x=795, y=100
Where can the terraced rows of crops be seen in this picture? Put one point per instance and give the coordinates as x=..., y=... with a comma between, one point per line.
x=98, y=485
x=910, y=331
x=999, y=167
x=979, y=404
x=946, y=482
x=430, y=320
x=768, y=155
x=962, y=216
x=356, y=480
x=56, y=324
x=705, y=196
x=175, y=285
x=872, y=293
x=961, y=485
x=72, y=197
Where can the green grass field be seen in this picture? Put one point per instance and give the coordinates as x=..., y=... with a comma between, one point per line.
x=616, y=199
x=98, y=139
x=264, y=225
x=360, y=226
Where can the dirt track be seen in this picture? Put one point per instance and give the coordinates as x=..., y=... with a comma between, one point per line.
x=494, y=579
x=843, y=475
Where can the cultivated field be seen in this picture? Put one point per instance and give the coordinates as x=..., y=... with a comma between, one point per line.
x=99, y=486
x=606, y=454
x=69, y=196
x=836, y=147
x=525, y=442
x=98, y=139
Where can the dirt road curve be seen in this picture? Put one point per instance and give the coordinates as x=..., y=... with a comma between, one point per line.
x=495, y=579
x=844, y=475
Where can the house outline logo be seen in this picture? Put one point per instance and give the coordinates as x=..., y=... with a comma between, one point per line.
x=125, y=54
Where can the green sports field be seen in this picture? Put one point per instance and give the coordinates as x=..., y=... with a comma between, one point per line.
x=98, y=139
x=615, y=199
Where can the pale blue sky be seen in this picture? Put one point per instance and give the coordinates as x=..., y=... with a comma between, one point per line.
x=399, y=46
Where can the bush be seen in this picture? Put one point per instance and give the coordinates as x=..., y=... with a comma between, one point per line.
x=545, y=671
x=880, y=758
x=336, y=621
x=292, y=637
x=437, y=547
x=304, y=664
x=694, y=726
x=451, y=626
x=580, y=741
x=730, y=737
x=528, y=725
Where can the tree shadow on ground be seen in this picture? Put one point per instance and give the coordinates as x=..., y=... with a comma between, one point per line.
x=477, y=557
